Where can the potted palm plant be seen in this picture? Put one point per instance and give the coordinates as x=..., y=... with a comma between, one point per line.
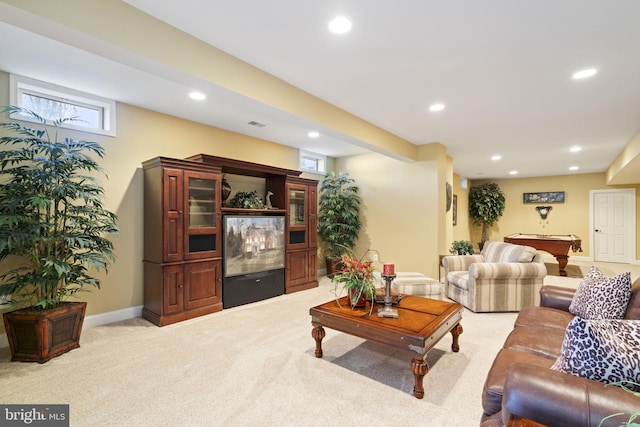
x=52, y=227
x=486, y=206
x=338, y=217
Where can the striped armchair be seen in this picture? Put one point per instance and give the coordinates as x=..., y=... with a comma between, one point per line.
x=504, y=277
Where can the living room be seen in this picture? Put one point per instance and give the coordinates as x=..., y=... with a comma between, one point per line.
x=407, y=223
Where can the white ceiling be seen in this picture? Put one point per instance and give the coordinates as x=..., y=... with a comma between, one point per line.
x=502, y=67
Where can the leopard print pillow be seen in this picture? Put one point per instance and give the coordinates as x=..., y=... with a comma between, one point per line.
x=602, y=350
x=600, y=297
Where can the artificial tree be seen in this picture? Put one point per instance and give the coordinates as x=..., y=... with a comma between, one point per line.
x=52, y=222
x=486, y=206
x=338, y=216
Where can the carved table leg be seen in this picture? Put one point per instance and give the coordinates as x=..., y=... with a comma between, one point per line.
x=318, y=333
x=562, y=263
x=419, y=368
x=456, y=331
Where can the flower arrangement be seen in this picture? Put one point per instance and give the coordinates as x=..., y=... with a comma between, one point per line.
x=357, y=278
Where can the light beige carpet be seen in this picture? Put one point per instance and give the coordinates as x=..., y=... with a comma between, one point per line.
x=254, y=365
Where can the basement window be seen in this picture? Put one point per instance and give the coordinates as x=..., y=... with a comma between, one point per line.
x=312, y=162
x=94, y=114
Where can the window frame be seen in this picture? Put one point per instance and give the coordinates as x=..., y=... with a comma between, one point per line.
x=320, y=160
x=20, y=85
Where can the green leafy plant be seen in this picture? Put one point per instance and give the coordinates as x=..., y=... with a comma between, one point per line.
x=486, y=206
x=338, y=214
x=246, y=200
x=461, y=247
x=51, y=214
x=356, y=277
x=633, y=419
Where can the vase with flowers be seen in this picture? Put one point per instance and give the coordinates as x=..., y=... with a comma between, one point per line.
x=357, y=279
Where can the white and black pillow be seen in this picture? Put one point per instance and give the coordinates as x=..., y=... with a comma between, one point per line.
x=601, y=297
x=607, y=351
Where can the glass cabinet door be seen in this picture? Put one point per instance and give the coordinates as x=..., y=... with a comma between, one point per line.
x=202, y=202
x=202, y=219
x=297, y=199
x=297, y=207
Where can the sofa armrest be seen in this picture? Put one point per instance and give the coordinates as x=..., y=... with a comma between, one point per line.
x=507, y=270
x=459, y=262
x=558, y=297
x=556, y=399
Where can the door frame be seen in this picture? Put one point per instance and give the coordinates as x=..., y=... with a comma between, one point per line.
x=630, y=195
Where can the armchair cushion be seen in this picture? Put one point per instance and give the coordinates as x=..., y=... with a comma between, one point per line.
x=507, y=252
x=507, y=270
x=460, y=262
x=602, y=350
x=599, y=297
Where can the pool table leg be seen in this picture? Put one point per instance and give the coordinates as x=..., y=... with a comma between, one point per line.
x=562, y=263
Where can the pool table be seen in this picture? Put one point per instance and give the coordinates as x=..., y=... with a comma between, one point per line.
x=556, y=245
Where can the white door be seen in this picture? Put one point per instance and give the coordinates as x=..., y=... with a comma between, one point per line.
x=613, y=219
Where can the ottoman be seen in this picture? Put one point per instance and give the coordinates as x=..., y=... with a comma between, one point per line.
x=411, y=283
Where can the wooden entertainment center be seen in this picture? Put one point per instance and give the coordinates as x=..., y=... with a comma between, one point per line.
x=184, y=275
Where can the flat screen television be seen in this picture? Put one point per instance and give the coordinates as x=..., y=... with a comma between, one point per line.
x=252, y=244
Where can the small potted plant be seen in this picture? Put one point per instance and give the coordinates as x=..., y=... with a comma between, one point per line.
x=461, y=247
x=357, y=279
x=246, y=200
x=52, y=227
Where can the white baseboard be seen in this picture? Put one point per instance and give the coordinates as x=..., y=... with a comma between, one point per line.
x=97, y=320
x=112, y=316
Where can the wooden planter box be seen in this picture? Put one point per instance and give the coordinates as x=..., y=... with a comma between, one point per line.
x=334, y=265
x=39, y=335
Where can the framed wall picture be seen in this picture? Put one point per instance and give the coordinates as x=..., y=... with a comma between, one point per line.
x=455, y=209
x=544, y=197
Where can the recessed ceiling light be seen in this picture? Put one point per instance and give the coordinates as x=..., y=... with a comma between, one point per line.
x=313, y=134
x=583, y=74
x=436, y=107
x=573, y=168
x=513, y=173
x=575, y=149
x=496, y=157
x=340, y=25
x=198, y=96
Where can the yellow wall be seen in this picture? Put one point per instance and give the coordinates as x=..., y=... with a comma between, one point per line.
x=404, y=205
x=571, y=217
x=461, y=230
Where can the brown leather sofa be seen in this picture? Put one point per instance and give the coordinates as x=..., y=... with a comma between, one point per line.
x=521, y=390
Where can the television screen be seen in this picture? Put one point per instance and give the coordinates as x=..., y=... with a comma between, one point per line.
x=253, y=244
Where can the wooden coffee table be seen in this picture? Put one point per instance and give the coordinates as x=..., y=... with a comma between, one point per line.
x=422, y=322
